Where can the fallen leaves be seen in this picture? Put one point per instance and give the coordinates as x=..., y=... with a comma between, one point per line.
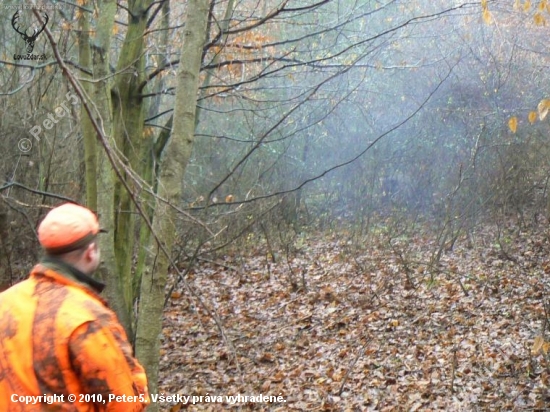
x=360, y=337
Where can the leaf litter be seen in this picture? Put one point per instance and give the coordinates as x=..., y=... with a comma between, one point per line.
x=366, y=328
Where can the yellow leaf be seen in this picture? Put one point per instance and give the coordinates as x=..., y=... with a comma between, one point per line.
x=543, y=108
x=532, y=117
x=148, y=132
x=484, y=4
x=542, y=5
x=517, y=4
x=487, y=17
x=513, y=124
x=539, y=19
x=537, y=345
x=527, y=6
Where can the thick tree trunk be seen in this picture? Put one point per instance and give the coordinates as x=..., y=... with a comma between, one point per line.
x=150, y=155
x=88, y=134
x=176, y=158
x=128, y=110
x=101, y=96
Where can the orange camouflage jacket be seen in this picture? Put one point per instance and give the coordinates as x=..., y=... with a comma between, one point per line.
x=63, y=349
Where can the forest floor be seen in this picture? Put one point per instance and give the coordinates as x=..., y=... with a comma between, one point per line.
x=341, y=325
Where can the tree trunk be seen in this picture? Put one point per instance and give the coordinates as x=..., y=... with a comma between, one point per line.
x=5, y=247
x=150, y=155
x=88, y=134
x=101, y=96
x=176, y=158
x=128, y=111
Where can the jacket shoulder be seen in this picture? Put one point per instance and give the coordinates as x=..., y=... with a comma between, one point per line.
x=79, y=307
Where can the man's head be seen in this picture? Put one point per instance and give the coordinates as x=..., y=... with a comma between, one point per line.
x=69, y=232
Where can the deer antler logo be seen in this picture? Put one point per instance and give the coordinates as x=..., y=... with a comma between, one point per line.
x=29, y=40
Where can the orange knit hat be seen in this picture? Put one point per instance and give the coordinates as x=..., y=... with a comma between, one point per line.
x=66, y=228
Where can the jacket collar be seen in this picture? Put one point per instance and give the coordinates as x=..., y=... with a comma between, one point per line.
x=71, y=272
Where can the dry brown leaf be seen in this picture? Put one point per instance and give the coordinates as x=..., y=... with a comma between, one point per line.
x=537, y=345
x=175, y=294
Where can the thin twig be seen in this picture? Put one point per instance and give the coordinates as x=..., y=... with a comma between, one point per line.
x=360, y=353
x=35, y=191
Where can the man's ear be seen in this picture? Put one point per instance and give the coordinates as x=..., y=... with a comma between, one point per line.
x=90, y=250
